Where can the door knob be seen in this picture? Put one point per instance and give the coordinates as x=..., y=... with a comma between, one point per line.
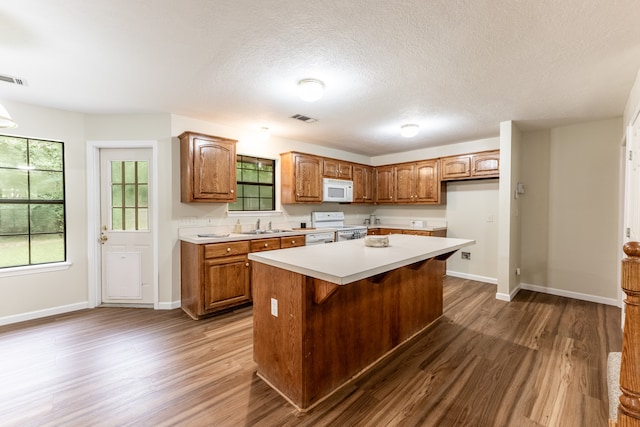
x=103, y=238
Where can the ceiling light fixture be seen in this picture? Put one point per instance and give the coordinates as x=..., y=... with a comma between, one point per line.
x=409, y=131
x=310, y=90
x=6, y=122
x=265, y=134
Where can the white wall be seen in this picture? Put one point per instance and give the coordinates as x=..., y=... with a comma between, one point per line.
x=27, y=295
x=535, y=207
x=509, y=233
x=584, y=208
x=571, y=217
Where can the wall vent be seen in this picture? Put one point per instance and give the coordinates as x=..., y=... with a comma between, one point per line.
x=304, y=118
x=13, y=80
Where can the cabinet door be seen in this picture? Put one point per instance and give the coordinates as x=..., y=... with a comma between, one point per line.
x=404, y=180
x=226, y=282
x=427, y=183
x=455, y=167
x=486, y=164
x=308, y=177
x=207, y=168
x=337, y=169
x=384, y=184
x=362, y=184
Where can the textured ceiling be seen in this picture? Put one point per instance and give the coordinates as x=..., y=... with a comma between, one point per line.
x=457, y=68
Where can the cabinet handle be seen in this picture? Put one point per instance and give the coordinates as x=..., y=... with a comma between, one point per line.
x=247, y=264
x=266, y=244
x=228, y=249
x=293, y=242
x=231, y=191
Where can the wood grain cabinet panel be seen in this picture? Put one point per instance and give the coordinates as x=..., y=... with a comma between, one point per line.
x=226, y=282
x=207, y=168
x=214, y=277
x=333, y=168
x=385, y=183
x=291, y=241
x=260, y=245
x=418, y=182
x=301, y=178
x=485, y=164
x=363, y=184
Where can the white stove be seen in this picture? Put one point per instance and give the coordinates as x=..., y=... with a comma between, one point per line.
x=320, y=220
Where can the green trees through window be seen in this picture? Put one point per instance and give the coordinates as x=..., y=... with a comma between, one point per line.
x=256, y=184
x=32, y=210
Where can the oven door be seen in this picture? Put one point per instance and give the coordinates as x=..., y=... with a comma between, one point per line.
x=351, y=234
x=319, y=238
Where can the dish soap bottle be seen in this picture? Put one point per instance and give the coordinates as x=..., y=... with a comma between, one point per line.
x=237, y=228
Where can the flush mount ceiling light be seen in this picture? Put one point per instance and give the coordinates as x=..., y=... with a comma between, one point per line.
x=310, y=90
x=409, y=131
x=6, y=122
x=264, y=134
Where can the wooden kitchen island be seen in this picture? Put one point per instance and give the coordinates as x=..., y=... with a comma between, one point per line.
x=325, y=313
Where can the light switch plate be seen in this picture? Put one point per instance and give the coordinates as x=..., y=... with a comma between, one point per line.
x=274, y=307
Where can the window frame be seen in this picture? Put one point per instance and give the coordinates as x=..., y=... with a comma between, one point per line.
x=272, y=185
x=29, y=202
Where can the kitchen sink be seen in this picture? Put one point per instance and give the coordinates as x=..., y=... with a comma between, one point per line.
x=272, y=231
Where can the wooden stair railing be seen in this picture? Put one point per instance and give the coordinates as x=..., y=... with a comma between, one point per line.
x=629, y=407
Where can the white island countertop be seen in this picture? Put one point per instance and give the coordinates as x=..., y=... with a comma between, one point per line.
x=348, y=261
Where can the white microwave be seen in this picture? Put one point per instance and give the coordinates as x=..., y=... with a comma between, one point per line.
x=337, y=190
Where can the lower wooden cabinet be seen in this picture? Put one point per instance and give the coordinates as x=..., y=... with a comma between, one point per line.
x=437, y=233
x=216, y=277
x=386, y=231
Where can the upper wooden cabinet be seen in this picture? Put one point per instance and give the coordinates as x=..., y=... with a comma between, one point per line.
x=417, y=182
x=207, y=168
x=385, y=182
x=337, y=169
x=363, y=184
x=470, y=166
x=301, y=178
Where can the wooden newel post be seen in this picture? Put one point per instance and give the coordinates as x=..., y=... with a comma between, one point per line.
x=629, y=408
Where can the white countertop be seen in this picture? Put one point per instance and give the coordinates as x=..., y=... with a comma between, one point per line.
x=406, y=227
x=233, y=237
x=350, y=260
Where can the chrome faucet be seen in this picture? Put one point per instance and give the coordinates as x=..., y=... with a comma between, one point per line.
x=258, y=224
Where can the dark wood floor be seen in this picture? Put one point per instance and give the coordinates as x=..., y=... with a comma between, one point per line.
x=537, y=361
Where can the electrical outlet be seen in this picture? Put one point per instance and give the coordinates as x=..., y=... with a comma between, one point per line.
x=466, y=255
x=274, y=307
x=416, y=224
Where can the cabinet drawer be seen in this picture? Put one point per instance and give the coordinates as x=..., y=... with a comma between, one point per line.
x=214, y=250
x=265, y=244
x=291, y=242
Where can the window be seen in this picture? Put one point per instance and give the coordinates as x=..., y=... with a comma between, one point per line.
x=129, y=195
x=32, y=211
x=256, y=184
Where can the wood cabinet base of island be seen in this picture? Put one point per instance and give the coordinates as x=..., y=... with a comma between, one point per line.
x=322, y=335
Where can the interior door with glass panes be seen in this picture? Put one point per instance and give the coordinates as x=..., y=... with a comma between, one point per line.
x=126, y=236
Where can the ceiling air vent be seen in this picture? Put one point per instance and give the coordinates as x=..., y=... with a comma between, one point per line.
x=13, y=80
x=304, y=118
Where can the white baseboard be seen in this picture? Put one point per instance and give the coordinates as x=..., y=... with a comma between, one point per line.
x=492, y=280
x=570, y=294
x=508, y=297
x=43, y=313
x=169, y=305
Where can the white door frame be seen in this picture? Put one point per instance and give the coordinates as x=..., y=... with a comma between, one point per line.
x=94, y=296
